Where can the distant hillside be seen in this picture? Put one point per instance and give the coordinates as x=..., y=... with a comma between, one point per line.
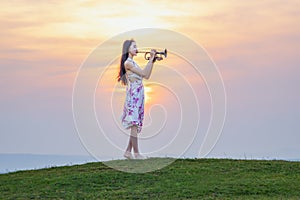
x=183, y=179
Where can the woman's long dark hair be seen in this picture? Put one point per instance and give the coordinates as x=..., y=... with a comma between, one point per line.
x=122, y=74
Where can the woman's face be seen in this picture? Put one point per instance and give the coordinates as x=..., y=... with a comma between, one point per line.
x=133, y=49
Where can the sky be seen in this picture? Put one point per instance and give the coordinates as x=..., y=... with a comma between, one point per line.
x=254, y=45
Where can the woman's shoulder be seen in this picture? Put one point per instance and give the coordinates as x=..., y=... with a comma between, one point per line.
x=128, y=64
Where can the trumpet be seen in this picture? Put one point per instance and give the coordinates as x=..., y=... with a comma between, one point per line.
x=159, y=57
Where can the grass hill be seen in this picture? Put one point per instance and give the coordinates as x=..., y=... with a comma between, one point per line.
x=183, y=179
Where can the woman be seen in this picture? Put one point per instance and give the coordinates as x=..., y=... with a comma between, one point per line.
x=132, y=76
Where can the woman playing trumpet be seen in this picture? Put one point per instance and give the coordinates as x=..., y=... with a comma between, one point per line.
x=132, y=76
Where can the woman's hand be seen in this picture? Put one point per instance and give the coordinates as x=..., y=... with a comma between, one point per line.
x=152, y=54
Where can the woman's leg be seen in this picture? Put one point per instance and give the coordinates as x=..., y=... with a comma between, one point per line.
x=134, y=139
x=129, y=147
x=133, y=144
x=127, y=153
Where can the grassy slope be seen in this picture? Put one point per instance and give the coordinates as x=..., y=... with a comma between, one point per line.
x=183, y=179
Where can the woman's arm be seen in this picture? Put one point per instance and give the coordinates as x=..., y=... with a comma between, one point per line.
x=146, y=72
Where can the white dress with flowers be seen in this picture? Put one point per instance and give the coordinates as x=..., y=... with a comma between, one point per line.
x=133, y=111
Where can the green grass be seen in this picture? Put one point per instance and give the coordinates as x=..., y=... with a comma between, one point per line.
x=183, y=179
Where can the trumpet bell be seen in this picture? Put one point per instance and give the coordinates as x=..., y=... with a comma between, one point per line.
x=164, y=53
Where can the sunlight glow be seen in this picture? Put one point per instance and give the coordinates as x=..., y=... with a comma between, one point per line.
x=148, y=91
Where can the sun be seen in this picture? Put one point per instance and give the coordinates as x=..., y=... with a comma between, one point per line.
x=148, y=91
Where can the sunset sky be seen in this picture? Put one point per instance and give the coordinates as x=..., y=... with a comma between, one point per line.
x=254, y=44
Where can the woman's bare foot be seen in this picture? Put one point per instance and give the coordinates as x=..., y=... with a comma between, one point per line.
x=128, y=155
x=139, y=156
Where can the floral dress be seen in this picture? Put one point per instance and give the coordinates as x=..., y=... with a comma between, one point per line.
x=133, y=111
